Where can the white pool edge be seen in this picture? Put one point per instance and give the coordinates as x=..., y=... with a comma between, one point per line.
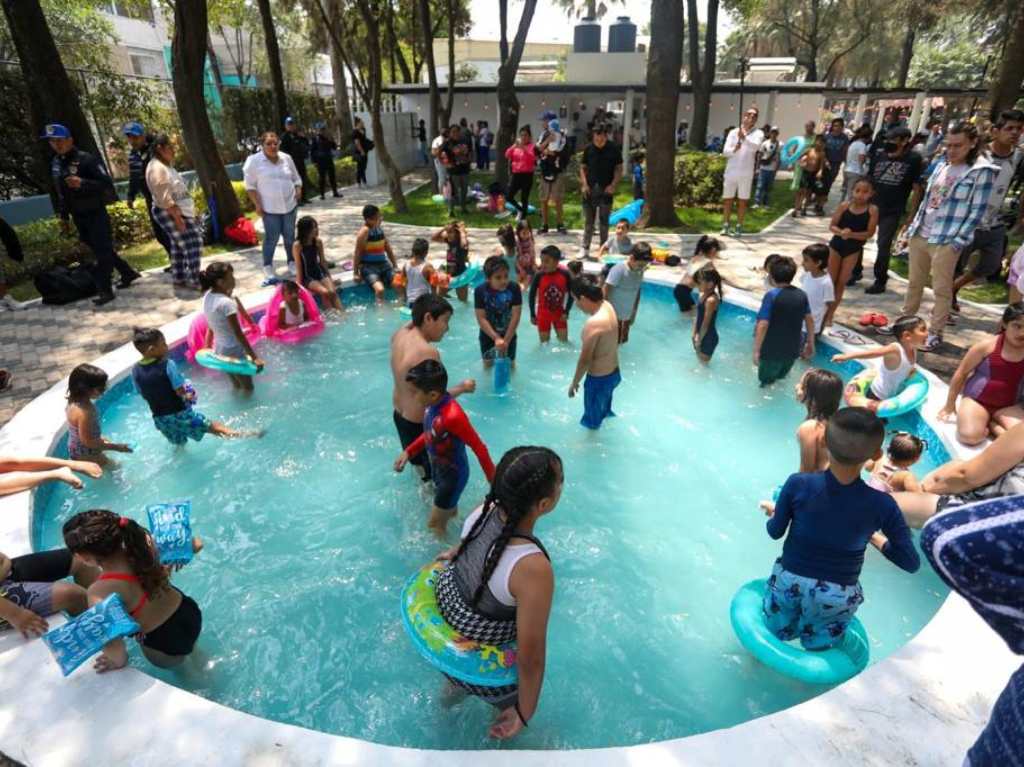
x=923, y=705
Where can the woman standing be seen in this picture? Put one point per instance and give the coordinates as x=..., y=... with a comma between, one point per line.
x=361, y=147
x=522, y=157
x=275, y=188
x=175, y=212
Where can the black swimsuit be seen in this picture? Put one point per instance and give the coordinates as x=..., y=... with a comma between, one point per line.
x=855, y=222
x=311, y=264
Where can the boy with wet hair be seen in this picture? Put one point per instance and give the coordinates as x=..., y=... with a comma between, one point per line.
x=498, y=303
x=784, y=314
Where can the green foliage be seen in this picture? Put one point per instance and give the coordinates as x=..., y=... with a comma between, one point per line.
x=955, y=64
x=344, y=172
x=698, y=178
x=248, y=112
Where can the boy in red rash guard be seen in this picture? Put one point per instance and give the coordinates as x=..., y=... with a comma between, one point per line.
x=551, y=307
x=446, y=432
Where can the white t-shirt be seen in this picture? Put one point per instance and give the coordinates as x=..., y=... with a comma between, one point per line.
x=742, y=155
x=854, y=158
x=819, y=292
x=616, y=248
x=626, y=285
x=1007, y=168
x=275, y=182
x=218, y=308
x=435, y=145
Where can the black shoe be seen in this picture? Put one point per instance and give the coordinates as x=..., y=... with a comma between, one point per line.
x=167, y=270
x=126, y=282
x=854, y=279
x=561, y=229
x=875, y=288
x=338, y=195
x=542, y=230
x=819, y=211
x=103, y=299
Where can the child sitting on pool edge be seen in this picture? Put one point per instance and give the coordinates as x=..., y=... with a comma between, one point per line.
x=498, y=303
x=85, y=439
x=446, y=432
x=311, y=269
x=831, y=516
x=161, y=384
x=374, y=261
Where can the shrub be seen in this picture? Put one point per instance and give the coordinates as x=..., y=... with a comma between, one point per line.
x=699, y=178
x=344, y=171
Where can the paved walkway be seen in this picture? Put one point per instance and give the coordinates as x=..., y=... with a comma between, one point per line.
x=42, y=344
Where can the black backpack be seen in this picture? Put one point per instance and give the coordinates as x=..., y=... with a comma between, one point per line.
x=565, y=155
x=61, y=285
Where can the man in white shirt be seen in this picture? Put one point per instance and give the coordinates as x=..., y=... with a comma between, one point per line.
x=741, y=147
x=275, y=188
x=439, y=166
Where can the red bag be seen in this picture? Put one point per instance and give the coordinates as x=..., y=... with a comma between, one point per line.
x=242, y=232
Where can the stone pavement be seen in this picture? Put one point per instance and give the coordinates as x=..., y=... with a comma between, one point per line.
x=43, y=343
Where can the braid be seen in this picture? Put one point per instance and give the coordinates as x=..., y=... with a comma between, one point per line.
x=144, y=559
x=99, y=532
x=478, y=525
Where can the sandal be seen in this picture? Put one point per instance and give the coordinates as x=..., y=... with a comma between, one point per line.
x=867, y=319
x=880, y=320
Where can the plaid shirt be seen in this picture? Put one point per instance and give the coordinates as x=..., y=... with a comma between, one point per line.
x=961, y=211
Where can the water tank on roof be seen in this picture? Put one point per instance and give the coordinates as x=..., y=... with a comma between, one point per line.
x=586, y=37
x=622, y=36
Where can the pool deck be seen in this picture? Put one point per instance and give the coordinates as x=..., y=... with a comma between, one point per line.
x=923, y=705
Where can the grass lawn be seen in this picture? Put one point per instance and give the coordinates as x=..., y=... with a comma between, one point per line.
x=423, y=211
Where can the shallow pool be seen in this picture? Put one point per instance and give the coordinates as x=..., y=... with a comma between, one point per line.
x=310, y=535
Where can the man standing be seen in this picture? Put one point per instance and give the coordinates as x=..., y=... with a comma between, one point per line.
x=439, y=160
x=741, y=147
x=600, y=172
x=551, y=148
x=459, y=152
x=84, y=189
x=934, y=140
x=836, y=144
x=768, y=166
x=895, y=171
x=322, y=151
x=138, y=159
x=296, y=145
x=990, y=236
x=599, y=354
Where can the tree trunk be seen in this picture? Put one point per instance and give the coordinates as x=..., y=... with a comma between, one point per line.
x=446, y=112
x=906, y=56
x=374, y=84
x=664, y=61
x=1006, y=86
x=701, y=76
x=434, y=117
x=274, y=61
x=508, y=101
x=189, y=58
x=51, y=96
x=218, y=79
x=342, y=107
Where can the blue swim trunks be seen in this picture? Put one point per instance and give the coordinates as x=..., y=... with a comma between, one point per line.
x=377, y=272
x=182, y=426
x=597, y=398
x=813, y=611
x=450, y=480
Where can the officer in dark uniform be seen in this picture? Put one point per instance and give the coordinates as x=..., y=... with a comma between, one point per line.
x=322, y=153
x=296, y=146
x=142, y=152
x=84, y=189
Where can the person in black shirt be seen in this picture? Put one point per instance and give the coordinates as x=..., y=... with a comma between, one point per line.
x=421, y=138
x=600, y=172
x=296, y=145
x=459, y=151
x=84, y=189
x=785, y=325
x=322, y=152
x=138, y=159
x=361, y=147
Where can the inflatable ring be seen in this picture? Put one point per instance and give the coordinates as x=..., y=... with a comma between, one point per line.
x=833, y=666
x=405, y=311
x=792, y=150
x=438, y=198
x=241, y=367
x=467, y=278
x=629, y=213
x=446, y=649
x=910, y=396
x=513, y=209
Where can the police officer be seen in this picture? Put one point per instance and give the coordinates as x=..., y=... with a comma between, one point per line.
x=296, y=146
x=142, y=152
x=84, y=189
x=323, y=155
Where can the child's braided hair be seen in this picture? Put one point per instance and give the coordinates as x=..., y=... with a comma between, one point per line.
x=103, y=533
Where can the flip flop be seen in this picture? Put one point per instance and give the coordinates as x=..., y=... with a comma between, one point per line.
x=879, y=320
x=867, y=319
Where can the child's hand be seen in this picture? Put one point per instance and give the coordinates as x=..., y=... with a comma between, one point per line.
x=111, y=659
x=808, y=349
x=121, y=447
x=573, y=388
x=468, y=386
x=533, y=320
x=846, y=232
x=757, y=357
x=258, y=363
x=499, y=344
x=768, y=507
x=29, y=624
x=878, y=540
x=947, y=414
x=401, y=461
x=840, y=357
x=507, y=725
x=696, y=340
x=447, y=554
x=5, y=567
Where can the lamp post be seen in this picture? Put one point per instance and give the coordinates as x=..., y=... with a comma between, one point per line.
x=742, y=67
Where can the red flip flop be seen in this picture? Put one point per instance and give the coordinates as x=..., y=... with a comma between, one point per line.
x=879, y=320
x=867, y=319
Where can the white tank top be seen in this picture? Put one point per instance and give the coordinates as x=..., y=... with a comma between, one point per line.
x=294, y=319
x=416, y=284
x=498, y=583
x=888, y=382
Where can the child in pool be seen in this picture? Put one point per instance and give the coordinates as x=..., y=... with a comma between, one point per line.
x=419, y=274
x=499, y=304
x=456, y=240
x=989, y=377
x=821, y=392
x=831, y=516
x=33, y=586
x=509, y=248
x=892, y=474
x=162, y=385
x=705, y=334
x=126, y=554
x=526, y=252
x=784, y=316
x=618, y=244
x=292, y=311
x=446, y=432
x=373, y=262
x=311, y=265
x=705, y=252
x=550, y=297
x=224, y=331
x=899, y=360
x=85, y=439
x=853, y=224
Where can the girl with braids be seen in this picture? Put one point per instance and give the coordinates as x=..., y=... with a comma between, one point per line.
x=498, y=584
x=130, y=565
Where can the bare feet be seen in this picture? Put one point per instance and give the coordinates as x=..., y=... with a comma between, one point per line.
x=94, y=470
x=451, y=695
x=438, y=522
x=64, y=474
x=197, y=544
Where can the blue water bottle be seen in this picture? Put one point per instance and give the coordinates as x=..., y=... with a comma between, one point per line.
x=502, y=374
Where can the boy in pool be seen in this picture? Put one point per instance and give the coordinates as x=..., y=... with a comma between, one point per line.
x=550, y=297
x=446, y=432
x=784, y=314
x=374, y=262
x=623, y=284
x=831, y=516
x=599, y=356
x=499, y=304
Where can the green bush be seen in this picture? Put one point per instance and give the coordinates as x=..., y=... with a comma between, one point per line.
x=344, y=171
x=699, y=178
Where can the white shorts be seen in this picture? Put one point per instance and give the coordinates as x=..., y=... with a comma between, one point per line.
x=737, y=186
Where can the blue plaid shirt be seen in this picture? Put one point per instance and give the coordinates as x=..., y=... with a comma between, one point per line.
x=962, y=210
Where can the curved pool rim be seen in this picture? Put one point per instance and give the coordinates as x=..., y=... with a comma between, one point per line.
x=942, y=683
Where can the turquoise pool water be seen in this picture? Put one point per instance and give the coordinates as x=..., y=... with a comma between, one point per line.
x=310, y=535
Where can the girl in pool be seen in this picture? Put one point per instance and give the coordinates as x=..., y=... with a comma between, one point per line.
x=821, y=392
x=311, y=265
x=704, y=253
x=508, y=575
x=705, y=334
x=130, y=565
x=892, y=474
x=456, y=239
x=224, y=332
x=509, y=249
x=292, y=312
x=853, y=224
x=85, y=440
x=989, y=377
x=526, y=253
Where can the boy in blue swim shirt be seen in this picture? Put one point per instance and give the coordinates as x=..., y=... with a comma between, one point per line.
x=831, y=516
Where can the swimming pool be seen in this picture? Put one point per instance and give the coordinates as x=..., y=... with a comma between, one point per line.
x=310, y=536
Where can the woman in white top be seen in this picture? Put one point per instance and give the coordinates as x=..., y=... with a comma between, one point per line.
x=855, y=167
x=175, y=212
x=275, y=188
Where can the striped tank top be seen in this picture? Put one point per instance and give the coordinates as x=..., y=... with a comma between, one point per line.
x=375, y=252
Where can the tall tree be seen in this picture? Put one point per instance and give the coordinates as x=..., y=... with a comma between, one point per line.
x=664, y=61
x=342, y=104
x=702, y=75
x=188, y=51
x=446, y=112
x=274, y=62
x=508, y=101
x=1006, y=86
x=427, y=27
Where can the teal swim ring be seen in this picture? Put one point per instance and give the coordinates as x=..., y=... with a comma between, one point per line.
x=792, y=150
x=911, y=395
x=467, y=278
x=832, y=666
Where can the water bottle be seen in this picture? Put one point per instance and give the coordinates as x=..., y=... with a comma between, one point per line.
x=502, y=374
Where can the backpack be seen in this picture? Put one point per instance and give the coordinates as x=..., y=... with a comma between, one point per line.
x=242, y=232
x=565, y=155
x=63, y=285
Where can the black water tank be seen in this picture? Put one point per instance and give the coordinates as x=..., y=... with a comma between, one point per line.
x=586, y=37
x=622, y=36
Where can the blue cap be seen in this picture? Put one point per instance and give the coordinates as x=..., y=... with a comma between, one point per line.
x=553, y=125
x=289, y=121
x=55, y=130
x=548, y=115
x=134, y=129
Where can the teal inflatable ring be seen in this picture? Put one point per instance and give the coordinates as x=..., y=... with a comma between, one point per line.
x=826, y=667
x=438, y=198
x=467, y=278
x=243, y=367
x=910, y=396
x=791, y=150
